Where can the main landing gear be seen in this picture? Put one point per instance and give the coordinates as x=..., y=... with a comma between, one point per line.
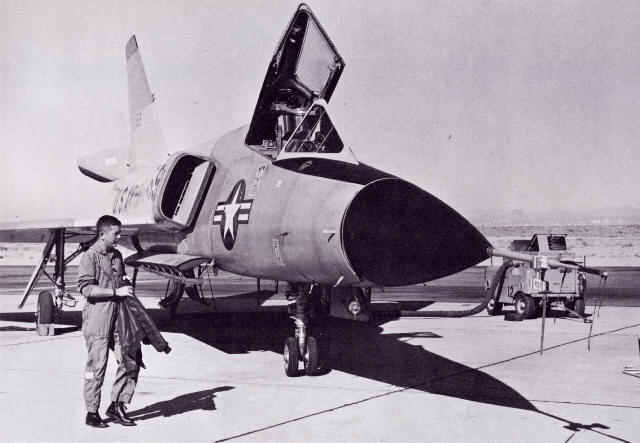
x=50, y=303
x=308, y=345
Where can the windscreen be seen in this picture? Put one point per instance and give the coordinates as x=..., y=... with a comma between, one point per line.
x=316, y=134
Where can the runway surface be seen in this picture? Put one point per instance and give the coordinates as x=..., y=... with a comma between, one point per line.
x=473, y=379
x=621, y=288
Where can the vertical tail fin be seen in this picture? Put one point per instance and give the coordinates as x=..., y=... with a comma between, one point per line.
x=148, y=147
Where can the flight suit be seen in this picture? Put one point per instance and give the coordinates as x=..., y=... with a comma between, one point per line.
x=104, y=269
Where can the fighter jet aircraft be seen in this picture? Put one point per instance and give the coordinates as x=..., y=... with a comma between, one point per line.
x=282, y=198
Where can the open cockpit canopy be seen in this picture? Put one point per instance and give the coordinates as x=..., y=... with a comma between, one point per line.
x=306, y=67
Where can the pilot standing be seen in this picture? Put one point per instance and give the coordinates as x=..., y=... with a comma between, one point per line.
x=100, y=280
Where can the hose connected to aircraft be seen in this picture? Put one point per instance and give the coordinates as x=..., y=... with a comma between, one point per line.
x=497, y=280
x=539, y=262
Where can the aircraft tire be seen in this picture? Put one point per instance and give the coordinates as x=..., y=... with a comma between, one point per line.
x=311, y=357
x=494, y=308
x=45, y=315
x=524, y=306
x=291, y=357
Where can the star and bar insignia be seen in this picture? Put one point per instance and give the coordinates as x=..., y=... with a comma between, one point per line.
x=231, y=213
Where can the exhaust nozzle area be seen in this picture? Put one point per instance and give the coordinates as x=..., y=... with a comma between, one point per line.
x=395, y=234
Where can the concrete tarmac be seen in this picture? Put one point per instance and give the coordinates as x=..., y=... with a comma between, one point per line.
x=479, y=378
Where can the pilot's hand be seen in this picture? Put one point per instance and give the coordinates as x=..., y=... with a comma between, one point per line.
x=124, y=291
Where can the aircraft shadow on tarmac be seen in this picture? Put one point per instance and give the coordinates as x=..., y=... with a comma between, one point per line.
x=358, y=349
x=355, y=348
x=362, y=350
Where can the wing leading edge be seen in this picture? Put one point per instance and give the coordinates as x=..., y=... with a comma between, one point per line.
x=76, y=229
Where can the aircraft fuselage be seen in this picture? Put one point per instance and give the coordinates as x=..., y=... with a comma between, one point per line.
x=267, y=221
x=302, y=221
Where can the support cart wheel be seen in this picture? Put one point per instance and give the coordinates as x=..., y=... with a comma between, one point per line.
x=576, y=305
x=291, y=357
x=579, y=306
x=494, y=308
x=311, y=357
x=524, y=306
x=539, y=309
x=45, y=315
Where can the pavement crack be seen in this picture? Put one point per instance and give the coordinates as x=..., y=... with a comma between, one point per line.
x=69, y=335
x=571, y=436
x=579, y=403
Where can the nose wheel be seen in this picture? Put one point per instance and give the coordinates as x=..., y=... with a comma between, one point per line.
x=291, y=357
x=311, y=357
x=303, y=347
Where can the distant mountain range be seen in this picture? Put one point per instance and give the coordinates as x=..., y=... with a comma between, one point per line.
x=611, y=215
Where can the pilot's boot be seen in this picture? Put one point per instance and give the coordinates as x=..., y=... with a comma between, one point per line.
x=94, y=419
x=117, y=412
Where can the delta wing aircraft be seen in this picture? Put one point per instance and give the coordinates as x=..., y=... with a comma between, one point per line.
x=282, y=198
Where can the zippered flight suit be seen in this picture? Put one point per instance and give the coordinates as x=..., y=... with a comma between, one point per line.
x=104, y=269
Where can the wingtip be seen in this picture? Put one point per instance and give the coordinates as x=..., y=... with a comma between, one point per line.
x=132, y=46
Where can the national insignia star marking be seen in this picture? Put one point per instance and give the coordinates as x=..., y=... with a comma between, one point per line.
x=232, y=212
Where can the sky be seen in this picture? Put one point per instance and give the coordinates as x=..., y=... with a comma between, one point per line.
x=490, y=106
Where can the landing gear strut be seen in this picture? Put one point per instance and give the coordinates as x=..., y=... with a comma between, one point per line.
x=178, y=285
x=304, y=346
x=50, y=303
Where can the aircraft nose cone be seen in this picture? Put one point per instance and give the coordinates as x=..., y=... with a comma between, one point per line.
x=395, y=234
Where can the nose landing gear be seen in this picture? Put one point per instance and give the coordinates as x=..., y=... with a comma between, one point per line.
x=304, y=346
